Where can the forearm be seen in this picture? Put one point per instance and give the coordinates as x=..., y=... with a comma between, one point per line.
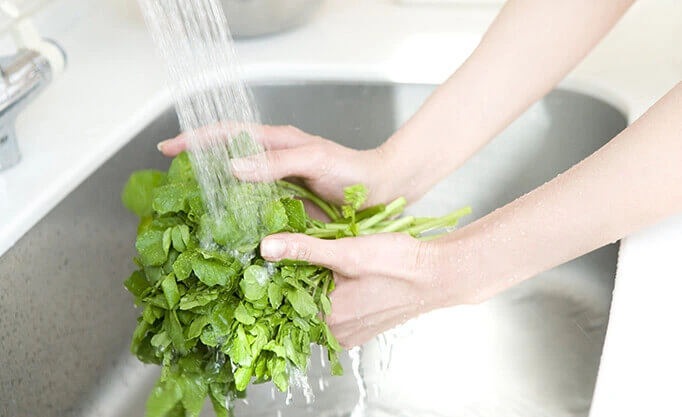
x=631, y=182
x=528, y=49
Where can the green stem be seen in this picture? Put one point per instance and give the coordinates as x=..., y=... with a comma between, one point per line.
x=301, y=192
x=446, y=221
x=393, y=226
x=335, y=226
x=417, y=221
x=321, y=233
x=365, y=213
x=392, y=209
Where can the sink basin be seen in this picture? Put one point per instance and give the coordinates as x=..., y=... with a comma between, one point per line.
x=66, y=320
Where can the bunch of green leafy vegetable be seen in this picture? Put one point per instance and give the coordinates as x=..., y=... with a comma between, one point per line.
x=216, y=318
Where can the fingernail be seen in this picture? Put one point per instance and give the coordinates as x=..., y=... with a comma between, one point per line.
x=162, y=144
x=273, y=249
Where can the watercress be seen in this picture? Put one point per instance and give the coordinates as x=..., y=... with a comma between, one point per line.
x=216, y=317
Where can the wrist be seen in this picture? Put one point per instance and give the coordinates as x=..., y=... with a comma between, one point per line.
x=400, y=171
x=384, y=167
x=485, y=258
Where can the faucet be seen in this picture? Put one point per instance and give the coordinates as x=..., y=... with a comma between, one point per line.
x=22, y=77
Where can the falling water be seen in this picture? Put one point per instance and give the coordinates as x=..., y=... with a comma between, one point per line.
x=355, y=355
x=215, y=109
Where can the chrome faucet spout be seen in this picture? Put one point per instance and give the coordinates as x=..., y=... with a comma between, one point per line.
x=22, y=77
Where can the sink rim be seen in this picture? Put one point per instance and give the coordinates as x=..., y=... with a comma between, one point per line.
x=21, y=219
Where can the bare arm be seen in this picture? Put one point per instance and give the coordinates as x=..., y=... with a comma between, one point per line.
x=633, y=181
x=528, y=49
x=630, y=183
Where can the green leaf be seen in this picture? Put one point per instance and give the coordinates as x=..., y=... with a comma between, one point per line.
x=161, y=341
x=275, y=295
x=347, y=212
x=158, y=300
x=260, y=369
x=210, y=272
x=146, y=353
x=196, y=327
x=243, y=316
x=221, y=318
x=196, y=208
x=166, y=241
x=172, y=198
x=326, y=305
x=240, y=348
x=137, y=284
x=337, y=369
x=275, y=216
x=280, y=376
x=355, y=196
x=180, y=237
x=138, y=192
x=163, y=398
x=296, y=214
x=182, y=267
x=254, y=285
x=219, y=400
x=181, y=169
x=194, y=392
x=172, y=326
x=138, y=335
x=209, y=337
x=275, y=348
x=242, y=377
x=260, y=338
x=150, y=248
x=170, y=290
x=332, y=343
x=151, y=313
x=302, y=302
x=223, y=231
x=195, y=299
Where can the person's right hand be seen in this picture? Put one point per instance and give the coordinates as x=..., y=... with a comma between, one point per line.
x=323, y=166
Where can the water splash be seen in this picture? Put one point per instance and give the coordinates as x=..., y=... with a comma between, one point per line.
x=300, y=381
x=385, y=348
x=355, y=355
x=215, y=109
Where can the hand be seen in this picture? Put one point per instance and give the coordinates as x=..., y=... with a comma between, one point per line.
x=323, y=166
x=381, y=280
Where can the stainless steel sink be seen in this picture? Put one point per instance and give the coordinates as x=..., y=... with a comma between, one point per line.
x=66, y=321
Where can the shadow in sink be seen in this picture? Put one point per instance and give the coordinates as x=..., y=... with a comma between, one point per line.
x=66, y=321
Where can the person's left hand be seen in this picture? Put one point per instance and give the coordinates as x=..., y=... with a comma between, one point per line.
x=381, y=280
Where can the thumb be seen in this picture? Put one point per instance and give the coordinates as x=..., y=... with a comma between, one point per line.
x=382, y=254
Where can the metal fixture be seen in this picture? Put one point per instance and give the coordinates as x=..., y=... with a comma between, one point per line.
x=22, y=77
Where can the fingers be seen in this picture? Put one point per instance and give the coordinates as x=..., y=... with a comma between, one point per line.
x=390, y=254
x=301, y=162
x=271, y=137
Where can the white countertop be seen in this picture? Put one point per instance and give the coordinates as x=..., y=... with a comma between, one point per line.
x=114, y=85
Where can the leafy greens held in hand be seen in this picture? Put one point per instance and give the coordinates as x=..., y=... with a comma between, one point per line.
x=216, y=318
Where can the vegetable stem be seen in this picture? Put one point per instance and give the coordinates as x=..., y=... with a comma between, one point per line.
x=395, y=208
x=438, y=223
x=393, y=226
x=301, y=192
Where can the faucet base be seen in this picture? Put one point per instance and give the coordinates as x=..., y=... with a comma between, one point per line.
x=9, y=149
